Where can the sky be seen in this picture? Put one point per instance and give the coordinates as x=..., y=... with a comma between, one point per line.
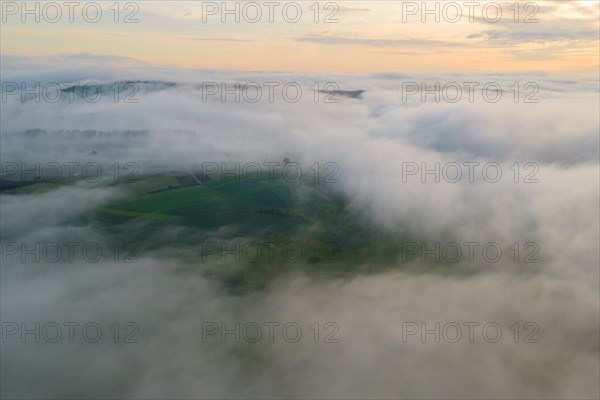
x=343, y=36
x=168, y=54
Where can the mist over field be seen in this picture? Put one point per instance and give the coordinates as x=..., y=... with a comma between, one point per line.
x=374, y=139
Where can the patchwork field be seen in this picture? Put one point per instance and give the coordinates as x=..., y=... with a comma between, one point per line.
x=252, y=230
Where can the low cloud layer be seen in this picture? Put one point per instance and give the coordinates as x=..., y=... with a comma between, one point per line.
x=375, y=141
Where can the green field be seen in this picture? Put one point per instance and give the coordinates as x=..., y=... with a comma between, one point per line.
x=278, y=226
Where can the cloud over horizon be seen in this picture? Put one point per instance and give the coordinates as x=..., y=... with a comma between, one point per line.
x=371, y=139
